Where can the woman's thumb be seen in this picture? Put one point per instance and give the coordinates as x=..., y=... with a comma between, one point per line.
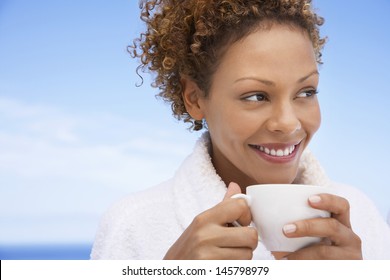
x=232, y=189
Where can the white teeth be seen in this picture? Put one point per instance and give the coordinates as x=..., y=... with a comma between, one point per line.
x=262, y=148
x=278, y=153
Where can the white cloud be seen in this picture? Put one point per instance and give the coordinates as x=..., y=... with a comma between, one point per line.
x=13, y=109
x=54, y=163
x=388, y=218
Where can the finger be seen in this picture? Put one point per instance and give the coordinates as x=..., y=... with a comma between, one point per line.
x=216, y=253
x=331, y=228
x=321, y=252
x=241, y=237
x=226, y=212
x=338, y=206
x=232, y=189
x=237, y=253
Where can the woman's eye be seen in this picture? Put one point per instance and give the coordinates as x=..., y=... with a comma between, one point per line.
x=258, y=97
x=307, y=93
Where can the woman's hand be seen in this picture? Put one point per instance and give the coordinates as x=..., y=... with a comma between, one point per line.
x=340, y=241
x=209, y=237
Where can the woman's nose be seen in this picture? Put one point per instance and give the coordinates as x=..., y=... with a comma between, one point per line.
x=283, y=119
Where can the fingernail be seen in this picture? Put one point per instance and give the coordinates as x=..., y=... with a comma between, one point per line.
x=289, y=228
x=315, y=199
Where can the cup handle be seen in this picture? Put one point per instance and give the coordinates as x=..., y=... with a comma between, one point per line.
x=248, y=200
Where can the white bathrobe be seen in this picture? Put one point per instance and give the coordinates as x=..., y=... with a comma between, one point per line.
x=146, y=224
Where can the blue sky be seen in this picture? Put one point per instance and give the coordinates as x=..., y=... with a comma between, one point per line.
x=76, y=134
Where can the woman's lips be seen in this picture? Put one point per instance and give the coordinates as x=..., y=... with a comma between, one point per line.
x=277, y=153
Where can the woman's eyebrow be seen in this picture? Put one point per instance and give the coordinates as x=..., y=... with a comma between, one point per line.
x=301, y=80
x=271, y=83
x=266, y=82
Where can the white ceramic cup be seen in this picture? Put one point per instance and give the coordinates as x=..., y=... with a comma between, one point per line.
x=275, y=205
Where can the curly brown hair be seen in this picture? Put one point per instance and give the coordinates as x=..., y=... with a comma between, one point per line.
x=188, y=37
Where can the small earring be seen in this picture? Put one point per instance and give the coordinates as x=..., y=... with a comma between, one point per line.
x=198, y=125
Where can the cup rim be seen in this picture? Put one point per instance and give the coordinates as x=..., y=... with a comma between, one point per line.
x=284, y=185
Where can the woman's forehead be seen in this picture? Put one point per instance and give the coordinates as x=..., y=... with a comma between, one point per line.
x=277, y=47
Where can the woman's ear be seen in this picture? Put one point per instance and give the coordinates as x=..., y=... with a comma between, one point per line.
x=192, y=96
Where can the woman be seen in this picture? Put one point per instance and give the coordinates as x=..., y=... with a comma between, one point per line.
x=247, y=71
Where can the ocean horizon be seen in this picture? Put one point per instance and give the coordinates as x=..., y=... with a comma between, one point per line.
x=45, y=252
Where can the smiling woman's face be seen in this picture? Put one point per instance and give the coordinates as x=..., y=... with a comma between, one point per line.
x=262, y=109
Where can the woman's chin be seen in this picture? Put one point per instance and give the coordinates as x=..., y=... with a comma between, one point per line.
x=277, y=179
